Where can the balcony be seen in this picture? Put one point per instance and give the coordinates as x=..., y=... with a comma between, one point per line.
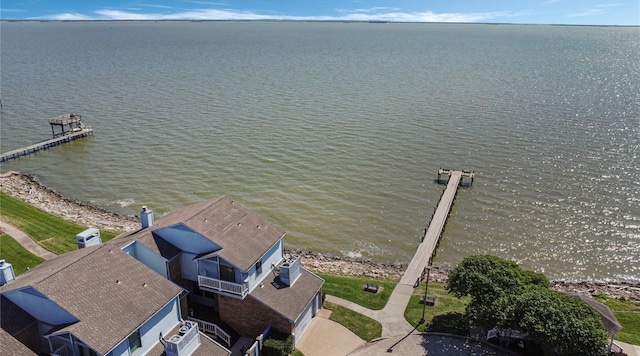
x=218, y=285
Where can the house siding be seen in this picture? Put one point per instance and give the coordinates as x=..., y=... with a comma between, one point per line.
x=189, y=266
x=250, y=317
x=175, y=270
x=273, y=257
x=148, y=258
x=209, y=268
x=30, y=337
x=162, y=322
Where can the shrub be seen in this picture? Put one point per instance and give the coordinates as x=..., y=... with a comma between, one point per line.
x=277, y=345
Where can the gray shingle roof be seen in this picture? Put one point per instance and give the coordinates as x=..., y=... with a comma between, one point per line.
x=111, y=293
x=289, y=301
x=243, y=235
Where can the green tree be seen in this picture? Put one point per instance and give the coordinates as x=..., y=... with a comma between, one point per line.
x=559, y=324
x=504, y=295
x=490, y=281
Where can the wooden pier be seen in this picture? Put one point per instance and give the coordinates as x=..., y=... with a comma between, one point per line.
x=427, y=248
x=72, y=129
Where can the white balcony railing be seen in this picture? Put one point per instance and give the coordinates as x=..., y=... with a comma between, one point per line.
x=223, y=286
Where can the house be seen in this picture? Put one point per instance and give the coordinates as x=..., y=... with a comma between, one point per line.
x=136, y=293
x=97, y=301
x=231, y=261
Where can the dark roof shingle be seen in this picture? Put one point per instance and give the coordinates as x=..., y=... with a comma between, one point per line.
x=243, y=235
x=110, y=292
x=289, y=301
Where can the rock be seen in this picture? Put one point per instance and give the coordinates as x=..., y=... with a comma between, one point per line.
x=27, y=188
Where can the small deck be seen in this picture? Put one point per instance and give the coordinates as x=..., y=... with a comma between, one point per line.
x=427, y=248
x=72, y=129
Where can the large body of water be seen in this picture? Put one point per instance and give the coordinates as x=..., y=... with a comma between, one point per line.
x=335, y=131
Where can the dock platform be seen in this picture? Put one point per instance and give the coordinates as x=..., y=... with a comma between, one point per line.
x=72, y=129
x=427, y=248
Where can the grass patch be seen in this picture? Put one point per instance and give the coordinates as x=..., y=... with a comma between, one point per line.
x=628, y=314
x=350, y=288
x=53, y=233
x=446, y=316
x=363, y=326
x=18, y=256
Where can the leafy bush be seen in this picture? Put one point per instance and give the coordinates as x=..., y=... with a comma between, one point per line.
x=277, y=344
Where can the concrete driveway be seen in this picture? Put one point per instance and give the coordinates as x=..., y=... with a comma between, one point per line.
x=327, y=338
x=431, y=345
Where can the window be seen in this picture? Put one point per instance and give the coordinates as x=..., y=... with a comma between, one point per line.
x=259, y=267
x=134, y=341
x=227, y=273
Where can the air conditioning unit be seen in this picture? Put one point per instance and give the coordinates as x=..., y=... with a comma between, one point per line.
x=6, y=273
x=187, y=340
x=89, y=237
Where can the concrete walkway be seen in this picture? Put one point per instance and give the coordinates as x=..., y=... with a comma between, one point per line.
x=630, y=350
x=391, y=316
x=27, y=242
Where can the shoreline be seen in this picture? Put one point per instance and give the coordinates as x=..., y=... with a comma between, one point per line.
x=29, y=189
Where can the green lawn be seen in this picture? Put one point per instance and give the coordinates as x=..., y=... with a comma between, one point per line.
x=18, y=256
x=363, y=326
x=445, y=316
x=51, y=232
x=628, y=314
x=351, y=288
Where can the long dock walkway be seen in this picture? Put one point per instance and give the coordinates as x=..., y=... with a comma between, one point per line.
x=427, y=248
x=84, y=132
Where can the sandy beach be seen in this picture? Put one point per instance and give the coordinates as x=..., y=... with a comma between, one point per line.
x=29, y=189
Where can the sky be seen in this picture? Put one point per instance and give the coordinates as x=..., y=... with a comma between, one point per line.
x=578, y=12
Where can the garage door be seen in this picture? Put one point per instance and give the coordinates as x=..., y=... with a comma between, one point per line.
x=304, y=320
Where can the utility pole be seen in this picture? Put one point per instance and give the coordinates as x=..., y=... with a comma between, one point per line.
x=424, y=301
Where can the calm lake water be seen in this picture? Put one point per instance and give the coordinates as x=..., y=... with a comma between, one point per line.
x=335, y=131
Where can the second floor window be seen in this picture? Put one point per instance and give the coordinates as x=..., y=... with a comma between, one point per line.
x=134, y=341
x=259, y=267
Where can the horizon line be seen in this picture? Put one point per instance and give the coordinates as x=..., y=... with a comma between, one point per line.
x=312, y=20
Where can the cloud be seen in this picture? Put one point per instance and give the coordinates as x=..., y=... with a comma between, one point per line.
x=594, y=11
x=373, y=9
x=156, y=6
x=207, y=3
x=198, y=14
x=11, y=10
x=368, y=14
x=428, y=17
x=68, y=16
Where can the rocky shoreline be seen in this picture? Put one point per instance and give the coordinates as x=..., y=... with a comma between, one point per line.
x=27, y=188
